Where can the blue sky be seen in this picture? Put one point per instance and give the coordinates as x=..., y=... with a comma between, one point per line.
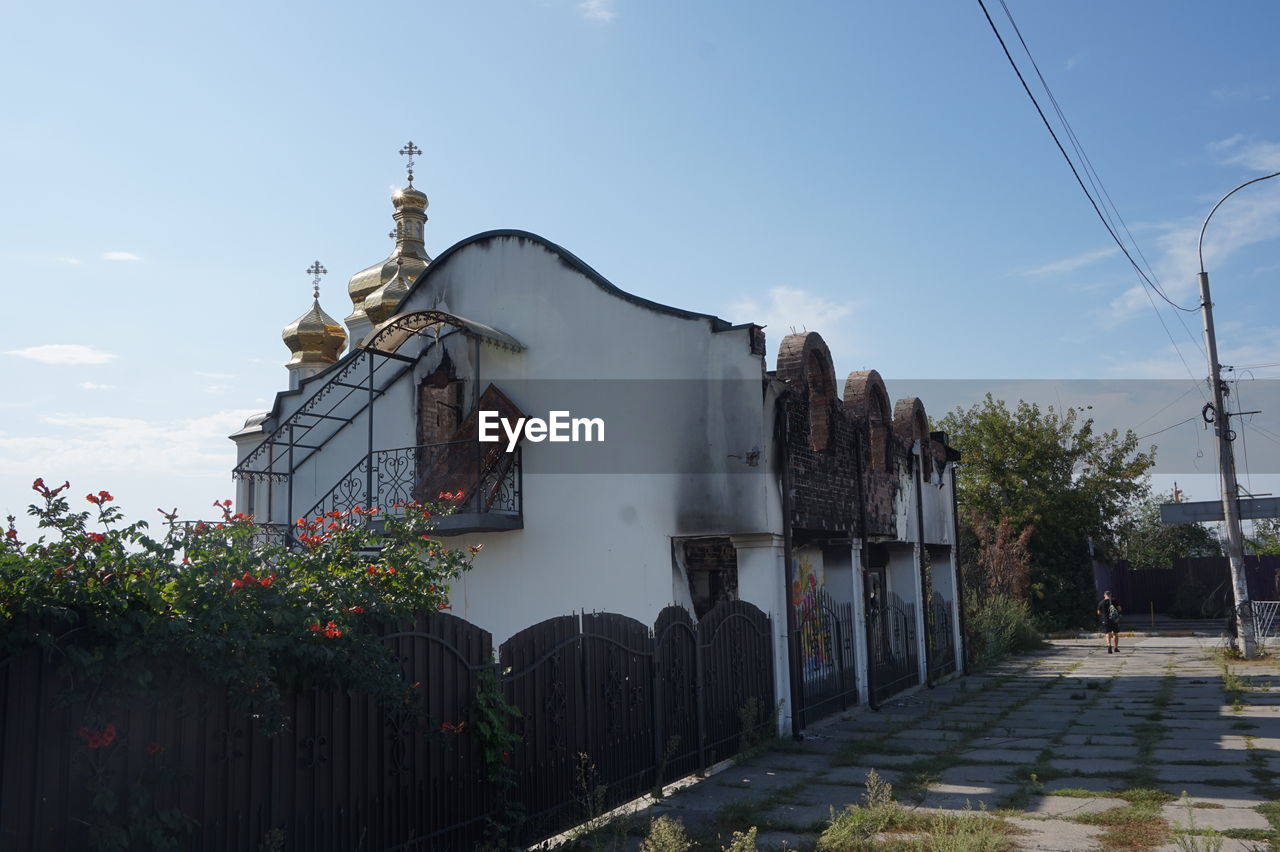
x=871, y=171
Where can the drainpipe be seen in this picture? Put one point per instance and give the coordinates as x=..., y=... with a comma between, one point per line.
x=955, y=563
x=926, y=602
x=865, y=560
x=788, y=574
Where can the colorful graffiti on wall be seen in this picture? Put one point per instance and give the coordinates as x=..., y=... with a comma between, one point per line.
x=807, y=596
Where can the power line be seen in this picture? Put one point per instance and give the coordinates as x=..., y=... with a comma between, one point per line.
x=1167, y=428
x=1171, y=404
x=1070, y=163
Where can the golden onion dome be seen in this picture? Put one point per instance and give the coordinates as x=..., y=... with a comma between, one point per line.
x=382, y=304
x=410, y=251
x=410, y=196
x=314, y=338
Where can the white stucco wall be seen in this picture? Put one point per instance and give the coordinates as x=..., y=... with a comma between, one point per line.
x=597, y=537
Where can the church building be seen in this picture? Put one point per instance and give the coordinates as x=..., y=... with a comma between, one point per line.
x=614, y=454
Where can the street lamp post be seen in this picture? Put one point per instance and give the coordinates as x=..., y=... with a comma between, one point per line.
x=1248, y=640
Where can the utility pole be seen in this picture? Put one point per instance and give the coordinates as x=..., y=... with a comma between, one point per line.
x=1246, y=634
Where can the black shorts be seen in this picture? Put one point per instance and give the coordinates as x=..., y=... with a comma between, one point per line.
x=1109, y=626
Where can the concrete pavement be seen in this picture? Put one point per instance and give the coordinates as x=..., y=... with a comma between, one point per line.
x=1077, y=748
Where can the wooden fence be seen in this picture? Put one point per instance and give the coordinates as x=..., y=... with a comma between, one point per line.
x=608, y=708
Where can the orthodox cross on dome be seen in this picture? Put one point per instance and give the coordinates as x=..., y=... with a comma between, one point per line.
x=410, y=151
x=316, y=270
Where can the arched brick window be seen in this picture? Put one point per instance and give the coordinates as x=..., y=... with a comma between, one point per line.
x=867, y=402
x=805, y=361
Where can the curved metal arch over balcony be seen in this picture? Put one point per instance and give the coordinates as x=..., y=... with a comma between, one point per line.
x=387, y=338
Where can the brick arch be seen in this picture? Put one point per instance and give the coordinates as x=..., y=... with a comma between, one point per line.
x=805, y=361
x=911, y=424
x=867, y=401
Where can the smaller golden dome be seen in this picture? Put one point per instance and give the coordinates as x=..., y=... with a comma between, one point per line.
x=314, y=338
x=382, y=303
x=409, y=196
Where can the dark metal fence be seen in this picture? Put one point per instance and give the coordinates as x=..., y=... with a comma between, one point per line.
x=824, y=630
x=942, y=636
x=894, y=647
x=607, y=710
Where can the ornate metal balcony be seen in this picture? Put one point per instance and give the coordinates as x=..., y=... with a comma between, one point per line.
x=487, y=477
x=267, y=534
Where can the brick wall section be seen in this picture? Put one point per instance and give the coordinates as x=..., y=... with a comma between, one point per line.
x=866, y=403
x=825, y=493
x=831, y=440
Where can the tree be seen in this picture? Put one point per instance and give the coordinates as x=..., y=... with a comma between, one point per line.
x=1055, y=475
x=1265, y=538
x=1147, y=543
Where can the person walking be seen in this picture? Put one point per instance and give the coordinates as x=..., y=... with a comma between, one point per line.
x=1109, y=612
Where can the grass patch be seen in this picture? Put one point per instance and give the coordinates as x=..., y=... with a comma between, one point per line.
x=871, y=826
x=1148, y=797
x=1129, y=828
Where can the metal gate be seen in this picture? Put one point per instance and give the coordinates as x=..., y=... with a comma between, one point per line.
x=824, y=634
x=894, y=651
x=942, y=637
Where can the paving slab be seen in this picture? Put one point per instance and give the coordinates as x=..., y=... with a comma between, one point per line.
x=804, y=818
x=1069, y=806
x=887, y=760
x=1097, y=739
x=1199, y=754
x=856, y=776
x=1174, y=774
x=1014, y=756
x=755, y=777
x=1218, y=819
x=1227, y=797
x=1127, y=753
x=960, y=797
x=794, y=763
x=978, y=774
x=1051, y=835
x=1095, y=766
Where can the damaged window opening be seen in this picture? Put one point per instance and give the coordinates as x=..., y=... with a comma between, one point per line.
x=711, y=569
x=439, y=407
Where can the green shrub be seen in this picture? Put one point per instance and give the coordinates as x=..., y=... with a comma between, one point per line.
x=743, y=841
x=666, y=835
x=998, y=625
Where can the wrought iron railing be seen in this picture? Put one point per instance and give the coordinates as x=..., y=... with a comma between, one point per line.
x=266, y=534
x=487, y=477
x=824, y=631
x=894, y=649
x=942, y=636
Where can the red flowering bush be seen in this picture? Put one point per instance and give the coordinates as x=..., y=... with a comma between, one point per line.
x=210, y=606
x=212, y=602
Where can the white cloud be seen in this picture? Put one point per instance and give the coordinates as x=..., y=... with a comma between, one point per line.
x=87, y=447
x=1069, y=264
x=120, y=255
x=96, y=386
x=1252, y=216
x=1237, y=94
x=786, y=309
x=72, y=261
x=1257, y=154
x=600, y=11
x=63, y=353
